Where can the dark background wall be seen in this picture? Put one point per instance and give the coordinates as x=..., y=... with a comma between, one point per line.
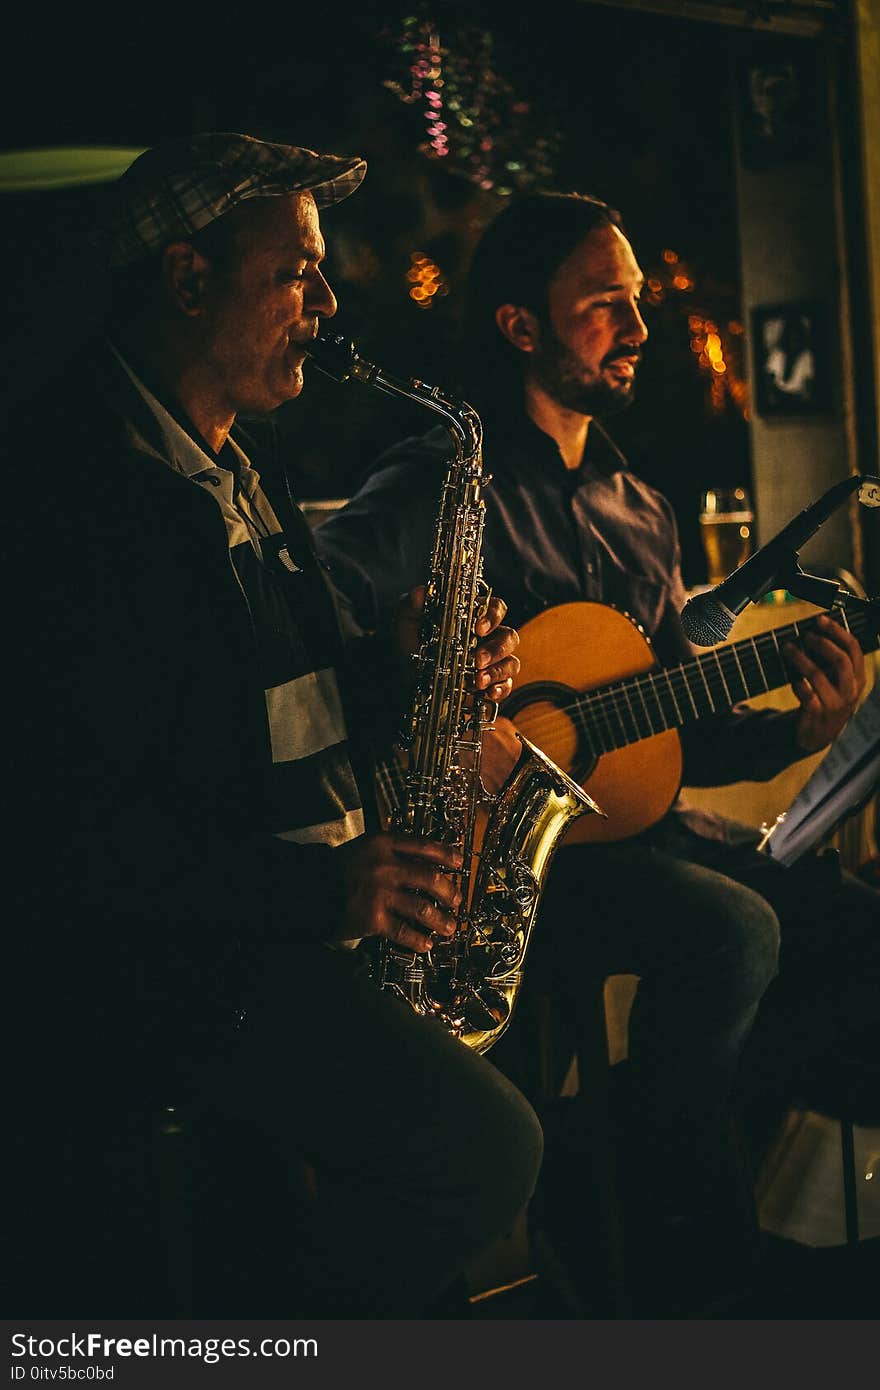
x=634, y=107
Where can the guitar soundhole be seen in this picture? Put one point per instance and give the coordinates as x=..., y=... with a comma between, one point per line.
x=546, y=713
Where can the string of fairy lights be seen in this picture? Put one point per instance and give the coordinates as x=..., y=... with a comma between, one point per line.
x=482, y=129
x=473, y=118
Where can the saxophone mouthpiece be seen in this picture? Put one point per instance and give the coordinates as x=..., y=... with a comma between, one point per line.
x=338, y=357
x=334, y=354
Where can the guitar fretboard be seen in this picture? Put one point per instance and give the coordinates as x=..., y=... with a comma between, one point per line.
x=669, y=697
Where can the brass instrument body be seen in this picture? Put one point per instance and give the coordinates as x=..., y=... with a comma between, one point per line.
x=527, y=822
x=470, y=981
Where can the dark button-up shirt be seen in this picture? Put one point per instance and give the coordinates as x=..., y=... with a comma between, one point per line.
x=553, y=535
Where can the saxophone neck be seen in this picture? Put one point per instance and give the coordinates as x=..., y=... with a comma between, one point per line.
x=338, y=357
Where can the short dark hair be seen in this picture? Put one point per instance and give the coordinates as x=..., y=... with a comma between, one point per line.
x=513, y=263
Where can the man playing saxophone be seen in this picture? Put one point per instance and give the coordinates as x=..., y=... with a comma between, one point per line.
x=470, y=982
x=196, y=835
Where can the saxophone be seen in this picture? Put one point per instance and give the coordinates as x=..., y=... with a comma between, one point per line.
x=469, y=982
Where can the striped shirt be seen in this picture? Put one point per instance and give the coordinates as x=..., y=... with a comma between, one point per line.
x=312, y=796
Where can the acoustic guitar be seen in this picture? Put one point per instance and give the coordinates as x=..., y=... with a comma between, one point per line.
x=592, y=696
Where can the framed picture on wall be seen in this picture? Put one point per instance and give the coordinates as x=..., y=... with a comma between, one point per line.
x=791, y=358
x=777, y=97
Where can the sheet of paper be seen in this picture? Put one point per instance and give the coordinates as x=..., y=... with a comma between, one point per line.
x=844, y=780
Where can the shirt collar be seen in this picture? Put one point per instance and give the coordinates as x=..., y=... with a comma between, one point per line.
x=182, y=451
x=532, y=449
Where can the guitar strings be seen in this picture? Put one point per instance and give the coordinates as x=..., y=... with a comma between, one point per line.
x=612, y=703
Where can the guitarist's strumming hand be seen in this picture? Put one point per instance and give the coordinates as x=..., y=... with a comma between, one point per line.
x=828, y=676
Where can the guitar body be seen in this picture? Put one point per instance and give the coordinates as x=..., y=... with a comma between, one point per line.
x=572, y=649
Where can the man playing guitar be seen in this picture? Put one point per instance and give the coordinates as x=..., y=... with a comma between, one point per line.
x=576, y=540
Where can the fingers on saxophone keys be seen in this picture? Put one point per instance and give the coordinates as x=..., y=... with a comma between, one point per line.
x=502, y=642
x=493, y=616
x=431, y=870
x=498, y=693
x=448, y=858
x=437, y=889
x=497, y=680
x=405, y=935
x=496, y=655
x=420, y=920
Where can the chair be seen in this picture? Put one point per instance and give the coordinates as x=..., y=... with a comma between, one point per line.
x=149, y=1210
x=229, y=1204
x=575, y=1216
x=93, y=1227
x=594, y=1111
x=845, y=1087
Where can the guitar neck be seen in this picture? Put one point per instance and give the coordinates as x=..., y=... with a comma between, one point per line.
x=712, y=683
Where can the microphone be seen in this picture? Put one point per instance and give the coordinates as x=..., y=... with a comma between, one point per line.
x=708, y=618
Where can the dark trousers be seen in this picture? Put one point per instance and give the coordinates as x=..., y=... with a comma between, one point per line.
x=423, y=1152
x=825, y=998
x=746, y=970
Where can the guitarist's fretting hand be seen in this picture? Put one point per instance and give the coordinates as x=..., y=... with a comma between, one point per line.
x=830, y=677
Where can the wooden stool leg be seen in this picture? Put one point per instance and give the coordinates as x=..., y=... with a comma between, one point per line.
x=575, y=1238
x=601, y=1220
x=850, y=1196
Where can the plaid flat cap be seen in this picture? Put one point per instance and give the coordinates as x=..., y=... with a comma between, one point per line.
x=176, y=188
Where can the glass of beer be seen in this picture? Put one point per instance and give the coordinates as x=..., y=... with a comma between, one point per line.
x=727, y=528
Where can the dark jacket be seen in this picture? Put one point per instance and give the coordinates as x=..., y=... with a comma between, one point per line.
x=149, y=886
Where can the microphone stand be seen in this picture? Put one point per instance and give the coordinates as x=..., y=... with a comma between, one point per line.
x=824, y=593
x=809, y=587
x=785, y=568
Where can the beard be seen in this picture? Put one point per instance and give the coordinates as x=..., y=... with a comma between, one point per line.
x=558, y=372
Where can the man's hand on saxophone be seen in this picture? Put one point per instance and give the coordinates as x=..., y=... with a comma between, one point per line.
x=497, y=665
x=497, y=668
x=401, y=888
